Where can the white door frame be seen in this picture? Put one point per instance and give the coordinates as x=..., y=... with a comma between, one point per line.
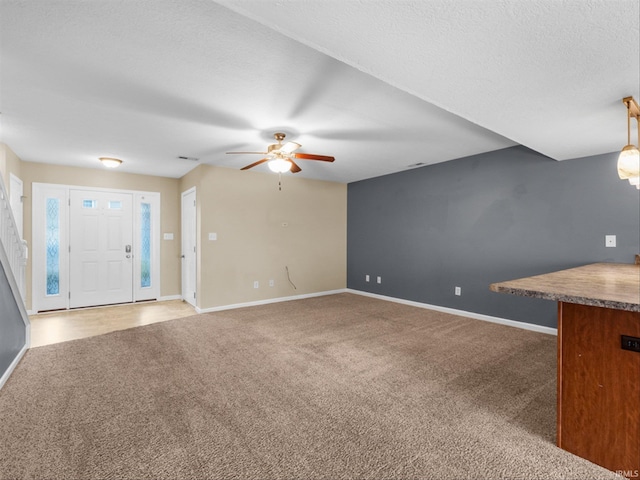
x=189, y=252
x=41, y=191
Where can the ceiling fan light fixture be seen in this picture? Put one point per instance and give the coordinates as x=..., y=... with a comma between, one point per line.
x=280, y=158
x=110, y=162
x=280, y=165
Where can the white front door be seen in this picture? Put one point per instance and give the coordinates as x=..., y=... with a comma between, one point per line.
x=189, y=246
x=101, y=253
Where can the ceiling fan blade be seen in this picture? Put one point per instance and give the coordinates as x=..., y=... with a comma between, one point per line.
x=254, y=164
x=290, y=147
x=310, y=156
x=294, y=167
x=243, y=153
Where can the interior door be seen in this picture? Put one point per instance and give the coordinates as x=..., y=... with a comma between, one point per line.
x=189, y=246
x=101, y=253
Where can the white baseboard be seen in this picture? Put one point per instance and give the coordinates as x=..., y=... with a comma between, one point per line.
x=13, y=365
x=166, y=298
x=462, y=313
x=453, y=311
x=269, y=300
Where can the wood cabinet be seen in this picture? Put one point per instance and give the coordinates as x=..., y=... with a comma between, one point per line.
x=599, y=386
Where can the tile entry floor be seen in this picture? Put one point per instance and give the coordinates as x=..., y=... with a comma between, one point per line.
x=63, y=325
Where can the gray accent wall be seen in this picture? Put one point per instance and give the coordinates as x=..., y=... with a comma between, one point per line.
x=487, y=218
x=12, y=330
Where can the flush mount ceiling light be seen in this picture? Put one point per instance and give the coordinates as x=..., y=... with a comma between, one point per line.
x=110, y=162
x=629, y=159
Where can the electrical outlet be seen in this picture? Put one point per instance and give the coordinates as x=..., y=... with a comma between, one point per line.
x=458, y=291
x=366, y=278
x=630, y=343
x=609, y=240
x=379, y=279
x=272, y=283
x=256, y=284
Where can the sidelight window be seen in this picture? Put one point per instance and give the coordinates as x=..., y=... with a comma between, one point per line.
x=52, y=240
x=145, y=245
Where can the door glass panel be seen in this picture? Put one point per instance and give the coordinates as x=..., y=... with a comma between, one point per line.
x=53, y=246
x=89, y=204
x=145, y=245
x=115, y=205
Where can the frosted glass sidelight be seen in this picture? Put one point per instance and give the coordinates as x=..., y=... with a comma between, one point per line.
x=53, y=245
x=145, y=245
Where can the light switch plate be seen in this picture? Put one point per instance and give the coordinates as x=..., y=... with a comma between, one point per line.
x=213, y=236
x=168, y=236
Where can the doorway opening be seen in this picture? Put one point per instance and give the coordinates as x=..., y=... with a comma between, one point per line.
x=189, y=246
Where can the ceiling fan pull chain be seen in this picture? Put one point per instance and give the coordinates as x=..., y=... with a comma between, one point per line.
x=280, y=181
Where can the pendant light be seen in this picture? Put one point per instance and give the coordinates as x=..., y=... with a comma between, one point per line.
x=629, y=159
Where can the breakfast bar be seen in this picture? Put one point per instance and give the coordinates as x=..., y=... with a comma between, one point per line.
x=598, y=415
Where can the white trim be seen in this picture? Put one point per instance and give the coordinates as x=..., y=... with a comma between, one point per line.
x=184, y=274
x=463, y=313
x=269, y=300
x=13, y=365
x=452, y=311
x=166, y=298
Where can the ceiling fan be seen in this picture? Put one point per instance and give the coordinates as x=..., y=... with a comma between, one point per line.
x=281, y=157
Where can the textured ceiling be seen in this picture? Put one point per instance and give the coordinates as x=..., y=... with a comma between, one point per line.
x=380, y=85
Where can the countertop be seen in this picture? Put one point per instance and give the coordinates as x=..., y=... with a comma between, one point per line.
x=609, y=285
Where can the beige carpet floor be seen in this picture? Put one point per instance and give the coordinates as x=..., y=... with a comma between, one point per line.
x=334, y=387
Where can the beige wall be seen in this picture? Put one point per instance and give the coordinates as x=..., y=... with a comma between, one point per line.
x=247, y=211
x=170, y=211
